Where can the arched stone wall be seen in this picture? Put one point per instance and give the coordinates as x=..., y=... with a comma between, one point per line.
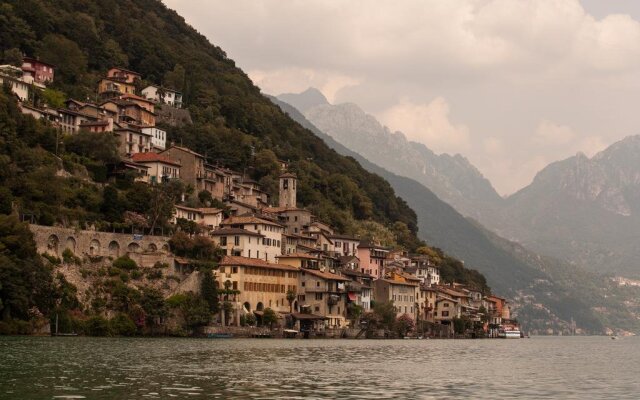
x=53, y=245
x=70, y=244
x=133, y=247
x=94, y=247
x=114, y=249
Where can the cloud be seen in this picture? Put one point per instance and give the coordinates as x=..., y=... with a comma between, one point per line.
x=506, y=68
x=428, y=124
x=552, y=134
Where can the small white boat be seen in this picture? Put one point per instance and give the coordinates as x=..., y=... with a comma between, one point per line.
x=510, y=334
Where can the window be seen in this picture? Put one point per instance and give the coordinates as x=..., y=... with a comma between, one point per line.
x=234, y=270
x=223, y=241
x=236, y=240
x=318, y=296
x=318, y=284
x=445, y=313
x=235, y=283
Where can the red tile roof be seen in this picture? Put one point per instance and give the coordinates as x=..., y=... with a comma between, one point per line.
x=153, y=157
x=237, y=261
x=326, y=275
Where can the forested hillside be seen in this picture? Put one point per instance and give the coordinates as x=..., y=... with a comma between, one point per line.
x=55, y=179
x=234, y=124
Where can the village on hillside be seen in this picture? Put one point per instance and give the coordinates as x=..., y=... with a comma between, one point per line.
x=276, y=258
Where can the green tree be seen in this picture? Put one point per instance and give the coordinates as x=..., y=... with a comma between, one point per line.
x=122, y=325
x=162, y=202
x=99, y=146
x=26, y=282
x=69, y=58
x=404, y=324
x=154, y=307
x=195, y=311
x=175, y=79
x=386, y=311
x=291, y=297
x=53, y=98
x=12, y=57
x=269, y=317
x=209, y=291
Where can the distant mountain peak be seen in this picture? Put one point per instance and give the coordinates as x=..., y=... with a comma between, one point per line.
x=306, y=100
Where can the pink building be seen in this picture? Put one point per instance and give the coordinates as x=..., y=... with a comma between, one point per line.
x=41, y=72
x=372, y=258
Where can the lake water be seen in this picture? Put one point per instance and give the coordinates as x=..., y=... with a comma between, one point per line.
x=105, y=368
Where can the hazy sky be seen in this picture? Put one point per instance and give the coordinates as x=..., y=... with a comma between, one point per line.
x=511, y=84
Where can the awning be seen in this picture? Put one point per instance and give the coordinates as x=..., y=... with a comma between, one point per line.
x=352, y=296
x=307, y=317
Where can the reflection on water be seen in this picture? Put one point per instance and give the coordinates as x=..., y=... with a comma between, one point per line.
x=95, y=368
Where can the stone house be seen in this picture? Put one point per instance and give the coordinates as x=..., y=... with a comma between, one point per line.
x=404, y=294
x=324, y=293
x=261, y=284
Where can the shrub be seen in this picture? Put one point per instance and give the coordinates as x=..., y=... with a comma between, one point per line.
x=124, y=277
x=15, y=327
x=176, y=300
x=135, y=275
x=97, y=326
x=250, y=319
x=69, y=258
x=114, y=271
x=52, y=259
x=122, y=325
x=102, y=272
x=85, y=273
x=160, y=265
x=154, y=274
x=125, y=263
x=173, y=278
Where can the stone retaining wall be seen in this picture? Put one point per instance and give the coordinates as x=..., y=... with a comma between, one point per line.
x=145, y=250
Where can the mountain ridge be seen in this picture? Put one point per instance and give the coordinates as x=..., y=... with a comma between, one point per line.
x=451, y=177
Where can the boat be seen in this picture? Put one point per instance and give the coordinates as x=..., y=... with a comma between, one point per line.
x=512, y=333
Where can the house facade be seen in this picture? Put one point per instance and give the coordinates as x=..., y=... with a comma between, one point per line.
x=161, y=168
x=163, y=95
x=261, y=284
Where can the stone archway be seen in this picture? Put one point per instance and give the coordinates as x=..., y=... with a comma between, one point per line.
x=133, y=247
x=53, y=244
x=165, y=248
x=114, y=249
x=260, y=307
x=247, y=306
x=295, y=306
x=94, y=247
x=152, y=248
x=70, y=244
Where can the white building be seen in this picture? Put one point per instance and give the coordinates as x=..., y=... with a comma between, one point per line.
x=12, y=76
x=161, y=167
x=158, y=137
x=163, y=95
x=270, y=242
x=206, y=218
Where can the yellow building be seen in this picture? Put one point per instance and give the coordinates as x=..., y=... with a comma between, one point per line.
x=261, y=284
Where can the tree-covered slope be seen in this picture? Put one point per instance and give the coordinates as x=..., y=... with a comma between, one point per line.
x=234, y=124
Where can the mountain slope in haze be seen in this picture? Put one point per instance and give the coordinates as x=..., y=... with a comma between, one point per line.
x=452, y=178
x=539, y=285
x=585, y=210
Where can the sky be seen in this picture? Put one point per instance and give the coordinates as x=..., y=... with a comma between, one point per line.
x=512, y=85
